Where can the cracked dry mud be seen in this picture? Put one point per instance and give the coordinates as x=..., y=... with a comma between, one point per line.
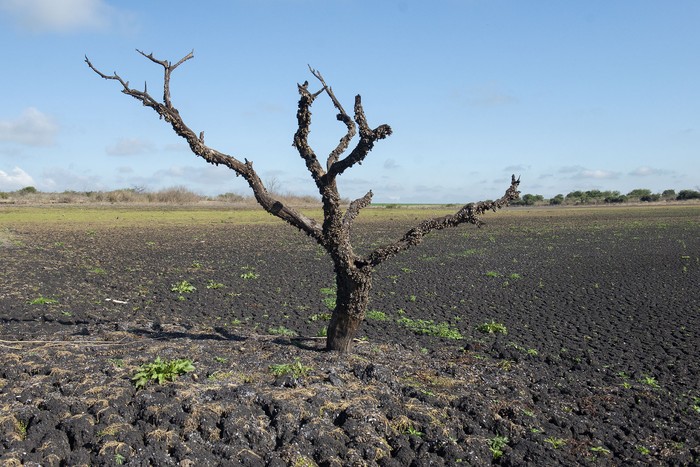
x=599, y=366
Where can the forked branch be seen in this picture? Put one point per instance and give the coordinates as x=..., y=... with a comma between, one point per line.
x=469, y=213
x=168, y=112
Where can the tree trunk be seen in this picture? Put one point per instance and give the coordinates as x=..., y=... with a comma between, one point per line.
x=350, y=306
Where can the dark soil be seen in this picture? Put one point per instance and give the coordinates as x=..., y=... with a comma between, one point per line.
x=600, y=364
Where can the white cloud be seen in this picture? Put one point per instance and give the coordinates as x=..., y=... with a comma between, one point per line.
x=15, y=179
x=129, y=147
x=647, y=171
x=598, y=174
x=61, y=15
x=32, y=128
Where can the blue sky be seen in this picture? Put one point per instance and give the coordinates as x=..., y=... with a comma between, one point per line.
x=568, y=95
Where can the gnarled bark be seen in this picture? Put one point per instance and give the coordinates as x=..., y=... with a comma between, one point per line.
x=353, y=273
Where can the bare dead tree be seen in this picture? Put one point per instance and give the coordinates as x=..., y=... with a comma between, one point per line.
x=353, y=272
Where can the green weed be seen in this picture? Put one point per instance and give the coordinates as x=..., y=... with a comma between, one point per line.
x=212, y=284
x=376, y=315
x=161, y=371
x=430, y=328
x=296, y=369
x=183, y=287
x=41, y=300
x=492, y=328
x=496, y=445
x=281, y=331
x=556, y=443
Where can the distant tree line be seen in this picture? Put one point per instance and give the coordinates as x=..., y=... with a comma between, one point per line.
x=606, y=197
x=181, y=194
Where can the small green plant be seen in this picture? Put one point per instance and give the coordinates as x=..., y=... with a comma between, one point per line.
x=329, y=297
x=97, y=271
x=220, y=359
x=212, y=284
x=600, y=450
x=645, y=451
x=323, y=332
x=376, y=315
x=413, y=431
x=696, y=404
x=183, y=287
x=412, y=298
x=496, y=445
x=249, y=275
x=119, y=459
x=196, y=265
x=320, y=317
x=161, y=371
x=281, y=331
x=430, y=328
x=515, y=276
x=492, y=274
x=650, y=381
x=492, y=328
x=556, y=443
x=296, y=369
x=41, y=300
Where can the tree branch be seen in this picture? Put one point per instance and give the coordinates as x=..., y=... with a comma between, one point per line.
x=354, y=209
x=301, y=137
x=166, y=111
x=342, y=116
x=467, y=214
x=367, y=139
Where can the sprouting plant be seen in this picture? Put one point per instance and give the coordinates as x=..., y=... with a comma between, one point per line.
x=492, y=274
x=600, y=450
x=119, y=459
x=196, y=265
x=413, y=431
x=492, y=328
x=406, y=270
x=412, y=298
x=21, y=428
x=696, y=404
x=296, y=369
x=212, y=284
x=220, y=359
x=97, y=271
x=650, y=381
x=41, y=300
x=249, y=275
x=161, y=371
x=323, y=332
x=496, y=445
x=376, y=315
x=645, y=451
x=515, y=276
x=281, y=331
x=555, y=442
x=183, y=287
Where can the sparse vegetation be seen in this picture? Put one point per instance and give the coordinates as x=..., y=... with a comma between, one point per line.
x=430, y=328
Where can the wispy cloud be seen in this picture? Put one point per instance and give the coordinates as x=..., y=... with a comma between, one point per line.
x=487, y=95
x=31, y=128
x=648, y=171
x=62, y=16
x=391, y=164
x=579, y=172
x=129, y=147
x=15, y=179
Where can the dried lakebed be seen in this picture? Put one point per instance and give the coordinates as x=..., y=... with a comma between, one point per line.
x=600, y=364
